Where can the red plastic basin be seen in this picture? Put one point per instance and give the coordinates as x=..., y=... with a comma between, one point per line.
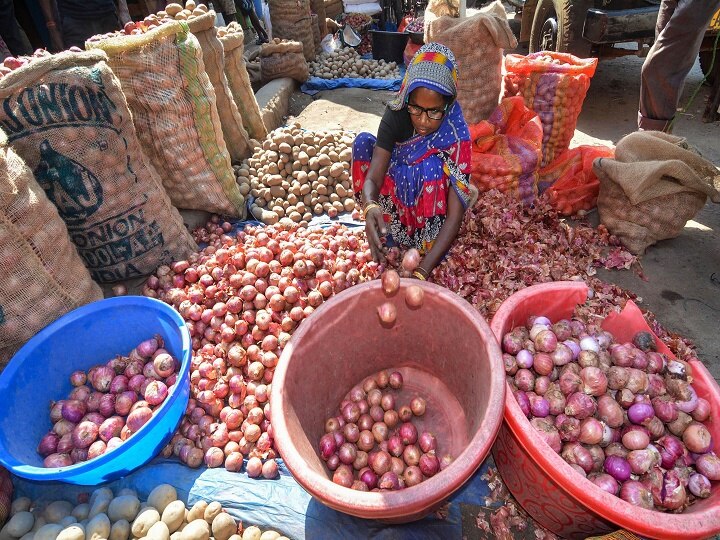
x=447, y=354
x=544, y=484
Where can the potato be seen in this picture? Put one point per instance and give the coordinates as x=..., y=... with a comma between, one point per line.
x=324, y=160
x=311, y=152
x=313, y=176
x=323, y=199
x=124, y=507
x=244, y=189
x=159, y=531
x=346, y=155
x=120, y=530
x=190, y=4
x=270, y=535
x=235, y=537
x=48, y=532
x=349, y=205
x=296, y=166
x=81, y=511
x=273, y=180
x=98, y=528
x=145, y=519
x=197, y=529
x=212, y=510
x=305, y=190
x=67, y=521
x=336, y=169
x=252, y=533
x=126, y=491
x=173, y=515
x=303, y=157
x=295, y=216
x=72, y=532
x=277, y=191
x=100, y=506
x=176, y=535
x=318, y=209
x=269, y=218
x=20, y=524
x=57, y=510
x=223, y=526
x=173, y=9
x=285, y=185
x=21, y=504
x=292, y=197
x=324, y=171
x=40, y=522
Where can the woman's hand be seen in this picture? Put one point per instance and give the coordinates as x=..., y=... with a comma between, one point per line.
x=375, y=229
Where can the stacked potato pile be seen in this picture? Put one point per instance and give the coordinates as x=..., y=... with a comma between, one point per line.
x=347, y=62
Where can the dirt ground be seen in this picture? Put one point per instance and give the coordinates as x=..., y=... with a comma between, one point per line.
x=682, y=276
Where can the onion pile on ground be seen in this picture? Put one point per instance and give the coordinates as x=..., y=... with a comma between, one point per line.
x=108, y=404
x=373, y=445
x=346, y=62
x=298, y=173
x=242, y=297
x=621, y=414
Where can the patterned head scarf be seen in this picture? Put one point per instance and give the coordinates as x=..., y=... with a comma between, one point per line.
x=433, y=67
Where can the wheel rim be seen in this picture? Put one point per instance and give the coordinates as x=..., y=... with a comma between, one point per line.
x=548, y=34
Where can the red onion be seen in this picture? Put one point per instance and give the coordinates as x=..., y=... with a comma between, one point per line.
x=347, y=453
x=636, y=493
x=589, y=343
x=524, y=359
x=387, y=402
x=562, y=354
x=621, y=355
x=656, y=386
x=708, y=465
x=523, y=401
x=361, y=460
x=546, y=341
x=427, y=441
x=411, y=454
x=672, y=495
x=57, y=460
x=568, y=427
x=665, y=408
x=391, y=418
x=605, y=482
x=48, y=444
x=701, y=411
x=644, y=341
x=429, y=465
x=640, y=412
x=670, y=449
x=411, y=260
x=387, y=313
x=562, y=329
x=395, y=446
x=609, y=411
x=591, y=431
x=635, y=438
x=369, y=477
x=556, y=400
x=78, y=378
x=414, y=297
x=412, y=476
x=380, y=462
x=395, y=380
x=637, y=381
x=543, y=364
x=389, y=481
x=679, y=426
x=697, y=438
x=699, y=486
x=547, y=432
x=576, y=454
x=84, y=434
x=408, y=433
x=569, y=382
x=351, y=433
x=588, y=359
x=594, y=381
x=574, y=348
x=688, y=405
x=617, y=467
x=510, y=363
x=512, y=343
x=641, y=461
x=525, y=380
x=73, y=410
x=580, y=405
x=110, y=428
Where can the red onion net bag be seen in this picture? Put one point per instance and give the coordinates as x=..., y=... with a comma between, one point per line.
x=43, y=277
x=67, y=117
x=234, y=132
x=174, y=108
x=232, y=38
x=477, y=43
x=554, y=85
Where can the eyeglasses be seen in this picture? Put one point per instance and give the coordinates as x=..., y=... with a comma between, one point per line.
x=432, y=114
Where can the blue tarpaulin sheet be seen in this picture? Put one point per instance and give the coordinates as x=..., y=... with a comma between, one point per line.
x=281, y=504
x=316, y=84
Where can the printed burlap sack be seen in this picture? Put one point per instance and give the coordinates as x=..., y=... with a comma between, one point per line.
x=652, y=187
x=67, y=118
x=291, y=20
x=234, y=132
x=283, y=58
x=477, y=43
x=43, y=276
x=174, y=110
x=232, y=39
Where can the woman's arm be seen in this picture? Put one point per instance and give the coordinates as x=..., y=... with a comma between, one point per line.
x=374, y=222
x=447, y=235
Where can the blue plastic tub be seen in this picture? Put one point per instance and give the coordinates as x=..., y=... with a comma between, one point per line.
x=40, y=372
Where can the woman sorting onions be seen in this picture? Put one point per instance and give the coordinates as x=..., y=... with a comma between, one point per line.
x=413, y=177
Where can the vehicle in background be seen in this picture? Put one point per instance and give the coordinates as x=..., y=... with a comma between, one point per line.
x=600, y=28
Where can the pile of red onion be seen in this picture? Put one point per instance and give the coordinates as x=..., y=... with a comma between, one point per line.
x=504, y=246
x=108, y=404
x=622, y=415
x=242, y=298
x=373, y=446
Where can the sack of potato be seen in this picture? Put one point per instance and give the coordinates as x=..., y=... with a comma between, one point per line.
x=346, y=62
x=291, y=20
x=298, y=173
x=232, y=38
x=175, y=112
x=282, y=58
x=67, y=118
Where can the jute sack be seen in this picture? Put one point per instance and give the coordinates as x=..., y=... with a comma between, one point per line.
x=232, y=39
x=234, y=132
x=318, y=8
x=66, y=116
x=283, y=58
x=477, y=43
x=652, y=188
x=43, y=276
x=316, y=32
x=174, y=110
x=291, y=20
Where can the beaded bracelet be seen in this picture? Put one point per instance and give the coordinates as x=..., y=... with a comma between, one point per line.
x=369, y=207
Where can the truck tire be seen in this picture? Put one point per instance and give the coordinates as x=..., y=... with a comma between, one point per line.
x=705, y=58
x=558, y=26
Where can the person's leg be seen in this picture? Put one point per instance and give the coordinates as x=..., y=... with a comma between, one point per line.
x=681, y=26
x=12, y=33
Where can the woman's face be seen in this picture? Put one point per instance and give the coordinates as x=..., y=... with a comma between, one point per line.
x=426, y=100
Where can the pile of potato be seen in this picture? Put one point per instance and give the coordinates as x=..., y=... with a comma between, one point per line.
x=296, y=173
x=123, y=516
x=346, y=62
